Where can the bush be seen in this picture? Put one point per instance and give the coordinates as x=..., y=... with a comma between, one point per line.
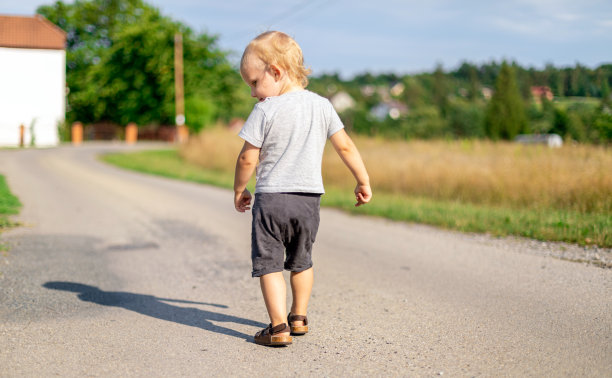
x=576, y=127
x=200, y=113
x=560, y=124
x=603, y=124
x=466, y=120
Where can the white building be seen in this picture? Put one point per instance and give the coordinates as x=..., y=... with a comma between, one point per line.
x=32, y=80
x=551, y=140
x=342, y=101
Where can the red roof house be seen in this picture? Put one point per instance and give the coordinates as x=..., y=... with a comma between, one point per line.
x=33, y=77
x=538, y=91
x=30, y=32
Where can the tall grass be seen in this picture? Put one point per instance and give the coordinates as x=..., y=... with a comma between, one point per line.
x=498, y=188
x=215, y=149
x=574, y=177
x=544, y=224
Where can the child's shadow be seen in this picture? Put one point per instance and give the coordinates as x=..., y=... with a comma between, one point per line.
x=157, y=308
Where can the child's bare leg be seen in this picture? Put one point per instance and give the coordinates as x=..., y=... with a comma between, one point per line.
x=275, y=295
x=301, y=287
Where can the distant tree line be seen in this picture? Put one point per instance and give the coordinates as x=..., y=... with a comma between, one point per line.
x=578, y=81
x=120, y=69
x=493, y=100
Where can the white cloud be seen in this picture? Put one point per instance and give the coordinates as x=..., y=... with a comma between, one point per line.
x=606, y=23
x=567, y=17
x=553, y=20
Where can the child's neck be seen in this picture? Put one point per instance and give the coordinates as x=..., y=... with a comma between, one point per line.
x=291, y=87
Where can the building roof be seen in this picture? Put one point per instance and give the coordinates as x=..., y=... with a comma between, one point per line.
x=30, y=32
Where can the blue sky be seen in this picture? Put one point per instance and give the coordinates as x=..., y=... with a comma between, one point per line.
x=351, y=37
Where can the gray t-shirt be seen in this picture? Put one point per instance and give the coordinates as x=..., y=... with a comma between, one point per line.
x=291, y=131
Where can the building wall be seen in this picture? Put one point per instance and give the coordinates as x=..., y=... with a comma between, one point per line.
x=32, y=93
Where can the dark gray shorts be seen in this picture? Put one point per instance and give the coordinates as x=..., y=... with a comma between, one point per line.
x=283, y=222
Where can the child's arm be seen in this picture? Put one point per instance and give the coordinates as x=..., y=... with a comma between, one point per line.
x=347, y=150
x=245, y=165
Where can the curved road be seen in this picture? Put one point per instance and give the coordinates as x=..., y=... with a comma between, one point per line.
x=115, y=273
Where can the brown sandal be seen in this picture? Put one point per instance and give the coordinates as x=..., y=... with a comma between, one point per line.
x=298, y=330
x=269, y=336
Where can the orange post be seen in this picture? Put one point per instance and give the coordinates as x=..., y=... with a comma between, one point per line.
x=21, y=135
x=77, y=133
x=182, y=133
x=131, y=133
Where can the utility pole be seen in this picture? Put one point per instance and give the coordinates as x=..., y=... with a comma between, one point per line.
x=181, y=129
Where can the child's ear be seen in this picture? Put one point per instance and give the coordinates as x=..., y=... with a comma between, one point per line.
x=276, y=71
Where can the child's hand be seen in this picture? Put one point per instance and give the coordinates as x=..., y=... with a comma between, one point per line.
x=363, y=194
x=242, y=200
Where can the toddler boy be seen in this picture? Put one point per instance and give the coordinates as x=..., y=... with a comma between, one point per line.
x=286, y=132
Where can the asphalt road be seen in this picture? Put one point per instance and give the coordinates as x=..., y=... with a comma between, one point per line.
x=115, y=273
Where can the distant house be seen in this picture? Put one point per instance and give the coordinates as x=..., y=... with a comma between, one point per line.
x=32, y=80
x=368, y=90
x=391, y=109
x=383, y=91
x=541, y=91
x=397, y=89
x=486, y=92
x=342, y=101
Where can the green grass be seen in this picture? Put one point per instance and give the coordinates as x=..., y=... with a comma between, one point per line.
x=9, y=205
x=168, y=163
x=566, y=102
x=542, y=224
x=549, y=224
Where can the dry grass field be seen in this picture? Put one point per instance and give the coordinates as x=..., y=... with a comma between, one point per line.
x=574, y=177
x=472, y=186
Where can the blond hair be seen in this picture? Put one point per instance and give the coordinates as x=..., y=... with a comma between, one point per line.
x=277, y=48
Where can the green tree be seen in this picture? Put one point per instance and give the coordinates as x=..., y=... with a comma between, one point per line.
x=579, y=81
x=466, y=120
x=561, y=122
x=524, y=79
x=576, y=128
x=505, y=117
x=90, y=27
x=440, y=90
x=134, y=81
x=605, y=93
x=120, y=66
x=474, y=87
x=556, y=81
x=413, y=94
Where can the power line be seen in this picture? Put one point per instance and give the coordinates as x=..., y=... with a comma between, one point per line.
x=282, y=16
x=291, y=11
